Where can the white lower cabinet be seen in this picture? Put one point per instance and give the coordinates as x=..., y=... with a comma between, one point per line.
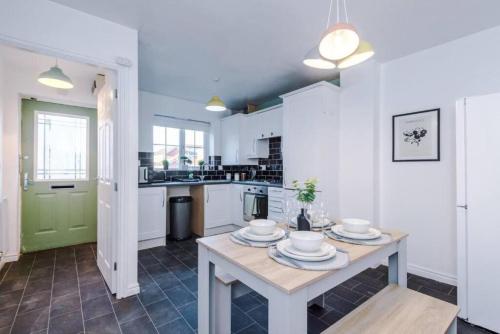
x=237, y=205
x=217, y=211
x=275, y=204
x=152, y=213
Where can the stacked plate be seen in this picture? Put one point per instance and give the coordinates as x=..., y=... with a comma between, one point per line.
x=356, y=229
x=260, y=233
x=248, y=234
x=306, y=246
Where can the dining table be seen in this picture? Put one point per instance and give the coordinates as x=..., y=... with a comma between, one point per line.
x=288, y=290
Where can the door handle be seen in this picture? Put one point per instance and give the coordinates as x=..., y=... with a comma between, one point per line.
x=463, y=206
x=26, y=182
x=208, y=196
x=162, y=199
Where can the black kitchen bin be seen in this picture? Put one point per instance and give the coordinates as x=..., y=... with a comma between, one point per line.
x=180, y=217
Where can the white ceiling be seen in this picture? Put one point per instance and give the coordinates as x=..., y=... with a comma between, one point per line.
x=256, y=46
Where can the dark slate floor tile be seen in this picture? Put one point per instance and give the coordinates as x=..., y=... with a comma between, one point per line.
x=167, y=281
x=29, y=322
x=246, y=302
x=65, y=304
x=239, y=319
x=7, y=316
x=4, y=270
x=253, y=329
x=10, y=299
x=350, y=283
x=191, y=283
x=144, y=278
x=318, y=310
x=87, y=266
x=431, y=284
x=340, y=304
x=365, y=289
x=41, y=273
x=260, y=315
x=466, y=328
x=141, y=325
x=453, y=291
x=64, y=288
x=11, y=285
x=332, y=317
x=96, y=307
x=65, y=274
x=157, y=270
x=162, y=312
x=179, y=295
x=178, y=326
x=150, y=294
x=315, y=325
x=128, y=309
x=182, y=272
x=148, y=261
x=93, y=290
x=190, y=313
x=5, y=330
x=38, y=285
x=439, y=295
x=89, y=277
x=35, y=301
x=370, y=281
x=69, y=323
x=106, y=324
x=347, y=294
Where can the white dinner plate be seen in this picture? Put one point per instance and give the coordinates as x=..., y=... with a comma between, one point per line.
x=282, y=248
x=293, y=223
x=324, y=250
x=246, y=233
x=373, y=233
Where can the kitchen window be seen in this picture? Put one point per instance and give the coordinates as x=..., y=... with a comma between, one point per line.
x=61, y=147
x=173, y=143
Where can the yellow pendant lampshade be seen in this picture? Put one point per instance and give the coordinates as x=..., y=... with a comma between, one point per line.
x=363, y=53
x=215, y=104
x=56, y=78
x=339, y=41
x=314, y=59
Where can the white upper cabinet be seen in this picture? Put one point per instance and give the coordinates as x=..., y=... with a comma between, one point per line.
x=310, y=144
x=230, y=139
x=270, y=122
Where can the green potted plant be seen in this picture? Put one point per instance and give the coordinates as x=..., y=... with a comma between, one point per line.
x=165, y=164
x=306, y=194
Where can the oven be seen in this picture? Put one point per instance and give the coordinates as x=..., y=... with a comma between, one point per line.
x=254, y=202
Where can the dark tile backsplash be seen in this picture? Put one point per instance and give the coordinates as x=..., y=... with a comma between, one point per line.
x=273, y=172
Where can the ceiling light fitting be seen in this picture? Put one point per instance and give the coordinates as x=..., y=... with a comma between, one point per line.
x=215, y=103
x=55, y=78
x=340, y=45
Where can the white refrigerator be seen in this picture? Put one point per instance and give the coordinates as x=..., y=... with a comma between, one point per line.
x=478, y=209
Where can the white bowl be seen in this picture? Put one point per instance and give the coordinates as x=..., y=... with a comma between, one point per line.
x=306, y=241
x=355, y=225
x=262, y=226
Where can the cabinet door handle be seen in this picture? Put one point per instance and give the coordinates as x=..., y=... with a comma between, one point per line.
x=241, y=197
x=163, y=199
x=208, y=196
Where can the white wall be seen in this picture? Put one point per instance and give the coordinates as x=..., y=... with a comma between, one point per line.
x=419, y=197
x=358, y=167
x=151, y=104
x=52, y=28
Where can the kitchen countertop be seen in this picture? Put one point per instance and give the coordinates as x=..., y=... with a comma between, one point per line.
x=207, y=182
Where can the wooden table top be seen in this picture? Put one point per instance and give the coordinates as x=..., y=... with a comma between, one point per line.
x=257, y=262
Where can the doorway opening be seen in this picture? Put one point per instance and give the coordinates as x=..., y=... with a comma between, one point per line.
x=60, y=144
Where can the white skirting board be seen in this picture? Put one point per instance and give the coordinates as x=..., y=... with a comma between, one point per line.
x=151, y=243
x=431, y=274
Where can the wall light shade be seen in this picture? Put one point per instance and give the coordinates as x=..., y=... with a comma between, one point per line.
x=363, y=53
x=56, y=78
x=215, y=104
x=314, y=59
x=339, y=41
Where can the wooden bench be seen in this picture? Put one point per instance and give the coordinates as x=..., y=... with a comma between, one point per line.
x=399, y=310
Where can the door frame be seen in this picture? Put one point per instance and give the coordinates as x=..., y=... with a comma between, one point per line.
x=125, y=206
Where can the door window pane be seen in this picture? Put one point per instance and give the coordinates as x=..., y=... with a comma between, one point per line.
x=61, y=147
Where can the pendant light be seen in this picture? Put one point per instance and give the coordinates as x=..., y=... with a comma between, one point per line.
x=55, y=78
x=314, y=59
x=364, y=52
x=341, y=40
x=340, y=45
x=215, y=103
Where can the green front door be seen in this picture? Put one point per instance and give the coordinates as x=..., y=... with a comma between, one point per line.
x=58, y=175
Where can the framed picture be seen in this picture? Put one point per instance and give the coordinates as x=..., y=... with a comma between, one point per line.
x=415, y=136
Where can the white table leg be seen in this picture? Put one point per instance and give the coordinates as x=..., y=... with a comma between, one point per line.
x=222, y=308
x=453, y=327
x=397, y=265
x=287, y=312
x=206, y=277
